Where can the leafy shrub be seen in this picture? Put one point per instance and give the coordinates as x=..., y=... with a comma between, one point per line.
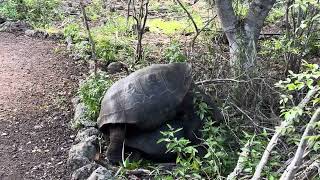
x=82, y=49
x=216, y=163
x=294, y=85
x=112, y=40
x=174, y=54
x=94, y=10
x=91, y=92
x=42, y=12
x=38, y=12
x=72, y=30
x=13, y=9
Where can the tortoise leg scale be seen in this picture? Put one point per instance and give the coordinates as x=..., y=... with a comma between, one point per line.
x=117, y=136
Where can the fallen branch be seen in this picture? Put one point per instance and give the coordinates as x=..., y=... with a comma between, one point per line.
x=276, y=136
x=241, y=161
x=296, y=162
x=219, y=81
x=309, y=173
x=138, y=172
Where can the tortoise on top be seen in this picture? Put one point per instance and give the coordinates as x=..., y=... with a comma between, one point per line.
x=144, y=100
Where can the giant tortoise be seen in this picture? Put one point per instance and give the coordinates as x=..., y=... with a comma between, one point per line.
x=144, y=100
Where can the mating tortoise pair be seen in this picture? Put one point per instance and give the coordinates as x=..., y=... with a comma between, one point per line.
x=135, y=109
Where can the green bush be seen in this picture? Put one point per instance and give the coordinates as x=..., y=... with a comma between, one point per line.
x=217, y=162
x=112, y=41
x=91, y=92
x=73, y=30
x=173, y=53
x=40, y=13
x=13, y=9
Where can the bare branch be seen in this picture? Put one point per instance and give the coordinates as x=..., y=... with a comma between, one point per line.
x=241, y=161
x=253, y=122
x=93, y=48
x=140, y=15
x=296, y=162
x=189, y=16
x=138, y=172
x=311, y=170
x=200, y=30
x=276, y=136
x=209, y=81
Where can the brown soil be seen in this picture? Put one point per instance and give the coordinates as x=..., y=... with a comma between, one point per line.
x=36, y=87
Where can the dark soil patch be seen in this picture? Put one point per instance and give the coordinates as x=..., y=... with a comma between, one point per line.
x=36, y=87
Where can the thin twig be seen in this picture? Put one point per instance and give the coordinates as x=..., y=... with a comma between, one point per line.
x=93, y=48
x=209, y=81
x=189, y=15
x=254, y=123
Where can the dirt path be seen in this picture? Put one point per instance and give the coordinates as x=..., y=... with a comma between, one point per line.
x=36, y=87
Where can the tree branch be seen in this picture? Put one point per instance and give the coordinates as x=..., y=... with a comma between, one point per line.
x=227, y=18
x=241, y=161
x=189, y=16
x=276, y=136
x=296, y=162
x=258, y=11
x=310, y=171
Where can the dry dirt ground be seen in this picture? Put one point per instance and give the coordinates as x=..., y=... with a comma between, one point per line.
x=36, y=87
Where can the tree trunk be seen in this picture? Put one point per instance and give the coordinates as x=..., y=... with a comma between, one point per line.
x=243, y=38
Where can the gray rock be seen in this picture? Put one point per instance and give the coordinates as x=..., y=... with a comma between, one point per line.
x=76, y=161
x=83, y=153
x=30, y=32
x=115, y=67
x=10, y=26
x=75, y=101
x=69, y=43
x=86, y=148
x=86, y=133
x=101, y=173
x=84, y=172
x=56, y=36
x=80, y=117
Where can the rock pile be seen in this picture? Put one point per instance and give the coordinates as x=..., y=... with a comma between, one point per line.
x=84, y=152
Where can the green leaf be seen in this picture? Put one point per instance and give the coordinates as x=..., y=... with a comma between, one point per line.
x=291, y=87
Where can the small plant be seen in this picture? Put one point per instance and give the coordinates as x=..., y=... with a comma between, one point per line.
x=189, y=163
x=91, y=92
x=275, y=14
x=73, y=30
x=174, y=54
x=216, y=163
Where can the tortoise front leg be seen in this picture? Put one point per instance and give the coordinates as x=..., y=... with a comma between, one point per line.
x=117, y=136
